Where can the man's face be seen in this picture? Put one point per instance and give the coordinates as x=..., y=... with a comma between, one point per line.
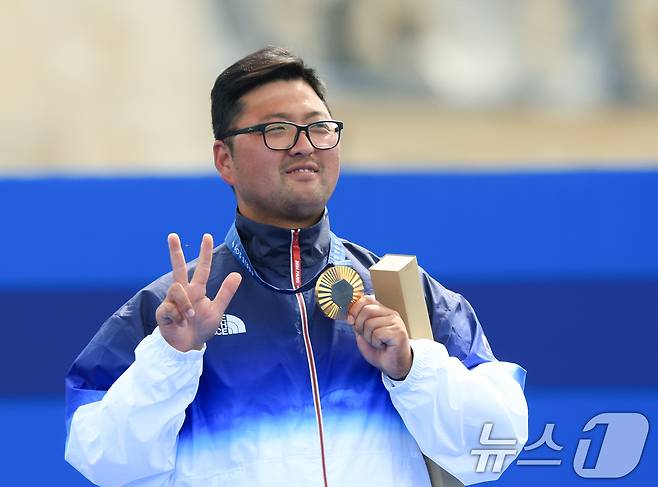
x=286, y=188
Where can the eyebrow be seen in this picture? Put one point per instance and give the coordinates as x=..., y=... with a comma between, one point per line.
x=286, y=116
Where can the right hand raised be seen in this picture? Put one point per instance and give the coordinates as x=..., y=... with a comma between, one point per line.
x=187, y=317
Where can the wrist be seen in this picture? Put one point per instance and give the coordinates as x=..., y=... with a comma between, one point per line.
x=402, y=372
x=169, y=354
x=184, y=347
x=182, y=344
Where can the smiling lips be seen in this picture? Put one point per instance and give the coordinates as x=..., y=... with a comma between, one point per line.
x=302, y=168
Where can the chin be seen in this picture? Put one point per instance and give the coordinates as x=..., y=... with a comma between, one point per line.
x=302, y=211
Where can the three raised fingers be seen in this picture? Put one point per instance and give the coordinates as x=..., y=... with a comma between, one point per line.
x=177, y=293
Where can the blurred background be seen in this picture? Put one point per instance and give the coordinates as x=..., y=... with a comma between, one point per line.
x=511, y=145
x=100, y=86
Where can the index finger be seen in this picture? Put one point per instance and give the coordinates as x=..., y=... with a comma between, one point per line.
x=177, y=259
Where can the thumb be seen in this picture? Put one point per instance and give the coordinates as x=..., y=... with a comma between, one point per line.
x=226, y=291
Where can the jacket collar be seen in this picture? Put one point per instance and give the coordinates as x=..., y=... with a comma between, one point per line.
x=269, y=246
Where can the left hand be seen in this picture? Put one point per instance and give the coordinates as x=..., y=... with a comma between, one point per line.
x=381, y=337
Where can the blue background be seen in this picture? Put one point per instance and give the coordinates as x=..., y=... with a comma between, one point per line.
x=562, y=269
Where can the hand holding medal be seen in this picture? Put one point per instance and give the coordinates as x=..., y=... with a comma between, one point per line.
x=381, y=335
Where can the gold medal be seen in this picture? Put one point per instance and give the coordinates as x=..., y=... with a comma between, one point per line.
x=336, y=289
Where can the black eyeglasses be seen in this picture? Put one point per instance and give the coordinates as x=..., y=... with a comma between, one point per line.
x=323, y=134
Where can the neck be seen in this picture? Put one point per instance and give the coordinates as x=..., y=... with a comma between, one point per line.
x=268, y=245
x=280, y=222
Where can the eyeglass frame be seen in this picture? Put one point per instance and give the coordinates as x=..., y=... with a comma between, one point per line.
x=300, y=128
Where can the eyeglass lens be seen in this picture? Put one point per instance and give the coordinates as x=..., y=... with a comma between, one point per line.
x=282, y=135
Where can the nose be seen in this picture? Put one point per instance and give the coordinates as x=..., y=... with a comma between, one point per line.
x=303, y=145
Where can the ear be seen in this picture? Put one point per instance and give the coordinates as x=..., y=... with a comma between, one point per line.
x=224, y=161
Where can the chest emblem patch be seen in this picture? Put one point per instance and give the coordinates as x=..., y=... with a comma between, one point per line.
x=230, y=325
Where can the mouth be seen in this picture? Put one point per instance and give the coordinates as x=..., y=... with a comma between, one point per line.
x=306, y=168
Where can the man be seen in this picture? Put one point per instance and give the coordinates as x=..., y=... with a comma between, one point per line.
x=226, y=371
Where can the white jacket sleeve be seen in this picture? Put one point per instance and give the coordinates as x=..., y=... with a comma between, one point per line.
x=445, y=406
x=130, y=436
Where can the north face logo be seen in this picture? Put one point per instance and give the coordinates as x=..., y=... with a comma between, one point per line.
x=231, y=325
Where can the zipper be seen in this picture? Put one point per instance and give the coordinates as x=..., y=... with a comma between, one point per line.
x=296, y=279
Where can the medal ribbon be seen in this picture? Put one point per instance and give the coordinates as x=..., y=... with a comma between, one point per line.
x=337, y=256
